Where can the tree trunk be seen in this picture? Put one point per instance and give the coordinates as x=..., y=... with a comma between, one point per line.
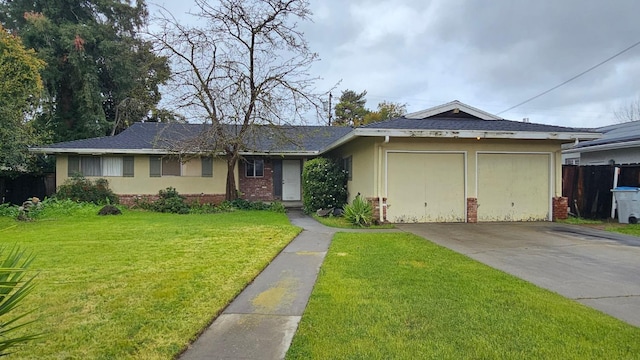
x=231, y=191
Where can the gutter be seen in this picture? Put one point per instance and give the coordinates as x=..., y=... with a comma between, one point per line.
x=610, y=146
x=45, y=150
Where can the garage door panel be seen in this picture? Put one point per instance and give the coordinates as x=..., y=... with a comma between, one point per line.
x=425, y=187
x=513, y=187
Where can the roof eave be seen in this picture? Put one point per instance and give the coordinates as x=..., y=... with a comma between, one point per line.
x=92, y=151
x=474, y=134
x=603, y=147
x=280, y=153
x=343, y=140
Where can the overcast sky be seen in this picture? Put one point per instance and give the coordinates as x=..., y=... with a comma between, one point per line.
x=488, y=54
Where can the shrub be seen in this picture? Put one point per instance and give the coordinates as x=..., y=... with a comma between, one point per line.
x=170, y=202
x=324, y=184
x=9, y=210
x=278, y=207
x=359, y=213
x=15, y=286
x=78, y=188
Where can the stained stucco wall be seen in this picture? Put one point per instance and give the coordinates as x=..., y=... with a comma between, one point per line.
x=191, y=181
x=364, y=166
x=371, y=154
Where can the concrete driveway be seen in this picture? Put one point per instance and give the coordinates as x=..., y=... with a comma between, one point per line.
x=597, y=268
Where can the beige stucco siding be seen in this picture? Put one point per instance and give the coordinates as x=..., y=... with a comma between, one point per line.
x=191, y=181
x=364, y=167
x=514, y=186
x=396, y=177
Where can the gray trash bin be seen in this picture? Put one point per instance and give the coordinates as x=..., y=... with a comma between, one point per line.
x=628, y=200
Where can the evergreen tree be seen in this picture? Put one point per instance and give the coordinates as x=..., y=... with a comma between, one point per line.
x=100, y=74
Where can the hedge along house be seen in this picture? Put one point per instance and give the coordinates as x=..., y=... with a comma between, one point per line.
x=451, y=163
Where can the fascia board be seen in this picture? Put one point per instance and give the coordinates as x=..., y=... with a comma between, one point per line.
x=474, y=134
x=343, y=140
x=88, y=151
x=45, y=150
x=279, y=153
x=603, y=147
x=450, y=106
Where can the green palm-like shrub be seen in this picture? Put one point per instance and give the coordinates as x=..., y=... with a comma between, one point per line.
x=14, y=287
x=359, y=212
x=324, y=185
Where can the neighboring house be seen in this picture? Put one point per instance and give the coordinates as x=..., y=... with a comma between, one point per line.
x=451, y=163
x=619, y=145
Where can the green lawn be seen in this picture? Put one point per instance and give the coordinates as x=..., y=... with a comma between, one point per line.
x=630, y=229
x=140, y=285
x=397, y=296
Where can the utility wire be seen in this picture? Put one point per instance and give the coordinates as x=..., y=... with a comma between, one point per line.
x=571, y=79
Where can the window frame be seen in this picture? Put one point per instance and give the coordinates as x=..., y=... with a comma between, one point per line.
x=157, y=168
x=250, y=164
x=347, y=165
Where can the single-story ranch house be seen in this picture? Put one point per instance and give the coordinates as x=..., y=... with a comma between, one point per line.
x=450, y=163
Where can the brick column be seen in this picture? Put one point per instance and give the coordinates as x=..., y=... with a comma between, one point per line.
x=375, y=204
x=560, y=208
x=472, y=210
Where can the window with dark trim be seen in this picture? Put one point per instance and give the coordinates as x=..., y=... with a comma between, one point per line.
x=164, y=166
x=207, y=166
x=347, y=165
x=100, y=165
x=254, y=168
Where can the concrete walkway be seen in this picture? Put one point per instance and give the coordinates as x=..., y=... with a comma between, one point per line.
x=261, y=321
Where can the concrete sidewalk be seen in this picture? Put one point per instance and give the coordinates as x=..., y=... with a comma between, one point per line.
x=261, y=321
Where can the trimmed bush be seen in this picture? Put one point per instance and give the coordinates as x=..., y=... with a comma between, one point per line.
x=324, y=185
x=81, y=189
x=359, y=213
x=170, y=202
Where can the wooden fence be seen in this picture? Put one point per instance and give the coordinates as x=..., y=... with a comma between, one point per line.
x=588, y=188
x=17, y=190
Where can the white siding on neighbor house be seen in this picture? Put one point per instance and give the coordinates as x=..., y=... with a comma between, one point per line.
x=619, y=156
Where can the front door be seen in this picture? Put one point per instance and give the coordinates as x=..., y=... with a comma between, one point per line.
x=291, y=180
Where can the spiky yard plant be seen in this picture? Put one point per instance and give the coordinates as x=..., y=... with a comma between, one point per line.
x=14, y=287
x=359, y=212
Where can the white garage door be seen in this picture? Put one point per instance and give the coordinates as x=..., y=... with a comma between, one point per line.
x=514, y=187
x=425, y=187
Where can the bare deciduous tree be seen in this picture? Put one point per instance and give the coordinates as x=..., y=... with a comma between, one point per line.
x=628, y=112
x=244, y=64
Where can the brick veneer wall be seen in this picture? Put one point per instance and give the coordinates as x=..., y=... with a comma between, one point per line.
x=560, y=208
x=130, y=200
x=375, y=203
x=472, y=210
x=257, y=188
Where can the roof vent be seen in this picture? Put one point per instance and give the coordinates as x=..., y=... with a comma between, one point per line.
x=526, y=120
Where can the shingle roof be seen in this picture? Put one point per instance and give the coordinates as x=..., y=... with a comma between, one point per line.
x=612, y=134
x=457, y=124
x=159, y=136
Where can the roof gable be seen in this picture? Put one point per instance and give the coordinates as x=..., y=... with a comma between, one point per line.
x=453, y=109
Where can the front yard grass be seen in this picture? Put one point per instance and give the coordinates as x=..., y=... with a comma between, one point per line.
x=397, y=296
x=140, y=285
